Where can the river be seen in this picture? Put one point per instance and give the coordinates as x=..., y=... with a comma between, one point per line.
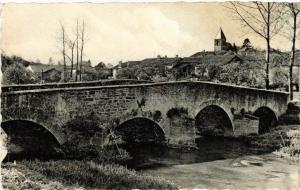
x=217, y=163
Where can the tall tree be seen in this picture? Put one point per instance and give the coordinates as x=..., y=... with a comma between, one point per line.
x=293, y=10
x=71, y=45
x=63, y=39
x=77, y=49
x=246, y=43
x=261, y=18
x=82, y=38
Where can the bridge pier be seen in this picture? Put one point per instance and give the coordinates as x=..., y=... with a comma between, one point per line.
x=181, y=130
x=246, y=125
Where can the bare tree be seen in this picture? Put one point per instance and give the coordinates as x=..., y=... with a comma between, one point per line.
x=293, y=10
x=71, y=45
x=63, y=40
x=77, y=49
x=263, y=19
x=82, y=37
x=75, y=45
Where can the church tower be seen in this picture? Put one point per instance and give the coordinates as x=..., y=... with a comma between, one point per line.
x=220, y=41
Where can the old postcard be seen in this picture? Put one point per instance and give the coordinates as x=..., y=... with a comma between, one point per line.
x=169, y=95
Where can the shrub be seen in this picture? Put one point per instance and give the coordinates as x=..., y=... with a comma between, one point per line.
x=173, y=112
x=290, y=148
x=280, y=80
x=213, y=71
x=85, y=127
x=245, y=73
x=99, y=154
x=17, y=74
x=126, y=73
x=157, y=115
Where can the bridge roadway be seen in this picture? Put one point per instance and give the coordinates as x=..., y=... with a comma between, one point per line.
x=21, y=87
x=175, y=110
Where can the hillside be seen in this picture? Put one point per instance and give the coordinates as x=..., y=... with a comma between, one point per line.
x=245, y=67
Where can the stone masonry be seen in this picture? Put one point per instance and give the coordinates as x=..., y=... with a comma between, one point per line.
x=54, y=108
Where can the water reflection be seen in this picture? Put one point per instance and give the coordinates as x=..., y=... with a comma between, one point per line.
x=149, y=156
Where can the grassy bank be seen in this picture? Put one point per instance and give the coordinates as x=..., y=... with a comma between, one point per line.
x=85, y=174
x=88, y=167
x=290, y=147
x=271, y=140
x=16, y=178
x=283, y=140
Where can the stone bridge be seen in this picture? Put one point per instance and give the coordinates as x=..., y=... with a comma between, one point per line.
x=177, y=111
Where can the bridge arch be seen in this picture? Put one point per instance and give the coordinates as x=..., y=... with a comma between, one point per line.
x=28, y=139
x=214, y=120
x=140, y=129
x=58, y=135
x=267, y=118
x=216, y=102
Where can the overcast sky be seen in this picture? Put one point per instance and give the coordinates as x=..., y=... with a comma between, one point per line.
x=131, y=31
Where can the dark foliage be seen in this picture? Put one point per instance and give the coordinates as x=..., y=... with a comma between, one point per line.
x=100, y=154
x=87, y=125
x=157, y=115
x=17, y=74
x=173, y=112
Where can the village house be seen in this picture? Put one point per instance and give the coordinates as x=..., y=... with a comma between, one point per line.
x=198, y=67
x=185, y=67
x=51, y=75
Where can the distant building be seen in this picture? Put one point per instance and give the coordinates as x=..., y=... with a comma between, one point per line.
x=220, y=42
x=168, y=70
x=184, y=70
x=29, y=68
x=115, y=70
x=197, y=67
x=198, y=71
x=51, y=75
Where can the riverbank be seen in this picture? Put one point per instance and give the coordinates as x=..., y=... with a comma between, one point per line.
x=84, y=167
x=68, y=174
x=216, y=164
x=277, y=138
x=290, y=148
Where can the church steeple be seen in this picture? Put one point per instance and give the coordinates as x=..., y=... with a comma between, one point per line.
x=220, y=41
x=221, y=35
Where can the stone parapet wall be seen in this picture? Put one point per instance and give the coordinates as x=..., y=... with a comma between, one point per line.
x=10, y=88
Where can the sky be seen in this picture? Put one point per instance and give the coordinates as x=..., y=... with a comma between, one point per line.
x=121, y=31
